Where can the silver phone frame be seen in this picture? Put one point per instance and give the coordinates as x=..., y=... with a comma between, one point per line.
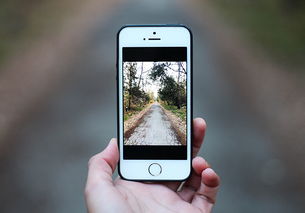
x=177, y=170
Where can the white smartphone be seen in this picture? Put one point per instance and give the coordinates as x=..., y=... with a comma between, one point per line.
x=154, y=84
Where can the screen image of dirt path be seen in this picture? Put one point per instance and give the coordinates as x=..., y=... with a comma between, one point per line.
x=154, y=103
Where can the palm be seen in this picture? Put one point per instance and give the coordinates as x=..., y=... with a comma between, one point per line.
x=152, y=197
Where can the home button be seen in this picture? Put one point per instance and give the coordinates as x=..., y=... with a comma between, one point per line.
x=154, y=169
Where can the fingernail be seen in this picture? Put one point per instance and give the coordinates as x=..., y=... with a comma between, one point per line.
x=113, y=140
x=209, y=165
x=110, y=142
x=209, y=171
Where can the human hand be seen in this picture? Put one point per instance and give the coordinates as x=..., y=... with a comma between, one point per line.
x=198, y=193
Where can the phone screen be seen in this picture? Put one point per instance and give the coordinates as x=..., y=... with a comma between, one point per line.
x=155, y=102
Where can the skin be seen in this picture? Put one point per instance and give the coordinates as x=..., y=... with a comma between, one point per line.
x=103, y=194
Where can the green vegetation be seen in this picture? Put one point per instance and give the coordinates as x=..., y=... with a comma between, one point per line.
x=23, y=21
x=172, y=91
x=135, y=98
x=181, y=113
x=135, y=110
x=276, y=25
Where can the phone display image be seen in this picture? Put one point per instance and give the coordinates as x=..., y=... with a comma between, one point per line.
x=154, y=90
x=155, y=103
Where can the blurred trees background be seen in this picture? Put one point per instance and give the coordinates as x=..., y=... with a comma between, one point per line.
x=23, y=21
x=278, y=26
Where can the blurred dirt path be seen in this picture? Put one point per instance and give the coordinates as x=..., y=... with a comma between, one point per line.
x=45, y=171
x=154, y=129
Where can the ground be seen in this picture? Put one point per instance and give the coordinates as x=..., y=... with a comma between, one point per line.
x=155, y=128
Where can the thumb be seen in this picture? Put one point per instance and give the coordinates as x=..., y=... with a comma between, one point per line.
x=102, y=165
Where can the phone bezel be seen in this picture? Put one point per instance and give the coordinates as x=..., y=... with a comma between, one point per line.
x=166, y=33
